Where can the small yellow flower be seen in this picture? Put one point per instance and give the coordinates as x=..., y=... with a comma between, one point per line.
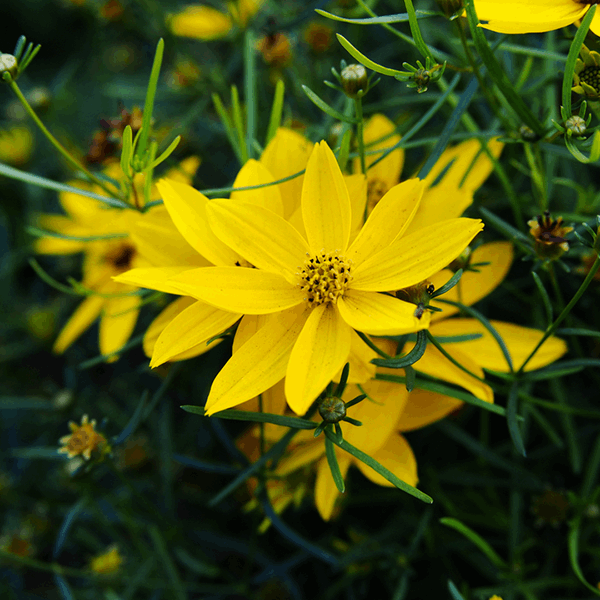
x=108, y=562
x=84, y=439
x=549, y=234
x=276, y=49
x=586, y=78
x=16, y=145
x=318, y=36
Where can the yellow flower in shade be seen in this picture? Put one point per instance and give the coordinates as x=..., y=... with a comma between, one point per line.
x=531, y=16
x=84, y=439
x=182, y=329
x=204, y=23
x=586, y=78
x=108, y=562
x=114, y=252
x=16, y=145
x=314, y=290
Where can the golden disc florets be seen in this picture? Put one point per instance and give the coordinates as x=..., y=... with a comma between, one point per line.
x=324, y=278
x=83, y=440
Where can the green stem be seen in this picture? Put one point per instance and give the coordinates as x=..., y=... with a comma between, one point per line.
x=72, y=161
x=250, y=91
x=416, y=31
x=552, y=328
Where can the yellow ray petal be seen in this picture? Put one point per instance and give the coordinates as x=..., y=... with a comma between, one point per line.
x=286, y=154
x=254, y=173
x=325, y=202
x=473, y=286
x=396, y=456
x=200, y=23
x=326, y=493
x=595, y=26
x=192, y=326
x=82, y=209
x=357, y=190
x=153, y=278
x=528, y=16
x=424, y=408
x=302, y=455
x=85, y=314
x=273, y=401
x=263, y=238
x=260, y=363
x=520, y=341
x=248, y=326
x=379, y=413
x=387, y=221
x=239, y=289
x=62, y=225
x=117, y=323
x=361, y=368
x=411, y=259
x=184, y=171
x=380, y=314
x=322, y=349
x=187, y=208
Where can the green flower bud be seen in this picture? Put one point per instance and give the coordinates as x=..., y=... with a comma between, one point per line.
x=354, y=80
x=8, y=64
x=576, y=125
x=332, y=409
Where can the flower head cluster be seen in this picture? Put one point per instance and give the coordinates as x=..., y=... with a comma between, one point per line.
x=83, y=440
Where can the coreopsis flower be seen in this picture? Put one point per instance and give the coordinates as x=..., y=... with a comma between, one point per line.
x=83, y=440
x=531, y=16
x=315, y=289
x=108, y=562
x=318, y=36
x=586, y=78
x=549, y=234
x=205, y=23
x=103, y=234
x=276, y=49
x=182, y=329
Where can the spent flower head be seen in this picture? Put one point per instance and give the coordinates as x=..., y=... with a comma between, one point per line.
x=83, y=440
x=549, y=235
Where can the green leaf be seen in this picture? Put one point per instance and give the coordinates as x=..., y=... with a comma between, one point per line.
x=127, y=151
x=456, y=595
x=255, y=417
x=367, y=62
x=577, y=331
x=166, y=153
x=573, y=544
x=238, y=123
x=276, y=111
x=379, y=468
x=511, y=418
x=230, y=130
x=545, y=297
x=396, y=18
x=326, y=108
x=448, y=285
x=409, y=359
x=25, y=403
x=476, y=539
x=457, y=339
x=334, y=466
x=582, y=158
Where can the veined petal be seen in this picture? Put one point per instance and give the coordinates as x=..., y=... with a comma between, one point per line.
x=254, y=173
x=361, y=367
x=286, y=154
x=200, y=23
x=326, y=492
x=153, y=278
x=248, y=326
x=412, y=259
x=396, y=456
x=595, y=26
x=187, y=207
x=424, y=408
x=162, y=320
x=239, y=289
x=473, y=286
x=528, y=16
x=325, y=202
x=193, y=326
x=387, y=221
x=357, y=190
x=260, y=363
x=321, y=350
x=117, y=322
x=263, y=238
x=520, y=342
x=85, y=314
x=380, y=314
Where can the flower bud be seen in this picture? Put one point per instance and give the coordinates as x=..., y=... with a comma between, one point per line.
x=332, y=409
x=576, y=125
x=354, y=80
x=8, y=64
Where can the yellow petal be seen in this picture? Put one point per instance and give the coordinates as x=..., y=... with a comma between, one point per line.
x=286, y=154
x=396, y=456
x=62, y=225
x=473, y=286
x=595, y=26
x=200, y=23
x=326, y=492
x=380, y=314
x=302, y=455
x=387, y=221
x=260, y=363
x=118, y=322
x=263, y=238
x=248, y=326
x=424, y=408
x=361, y=367
x=187, y=208
x=528, y=16
x=322, y=349
x=162, y=320
x=411, y=259
x=87, y=312
x=520, y=341
x=83, y=209
x=254, y=173
x=193, y=326
x=357, y=190
x=239, y=289
x=185, y=170
x=153, y=278
x=325, y=202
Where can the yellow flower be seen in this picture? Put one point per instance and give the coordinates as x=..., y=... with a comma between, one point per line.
x=549, y=234
x=108, y=562
x=586, y=78
x=84, y=439
x=202, y=22
x=115, y=252
x=531, y=16
x=16, y=144
x=314, y=290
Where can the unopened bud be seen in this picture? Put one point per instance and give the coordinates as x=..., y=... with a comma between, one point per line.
x=354, y=80
x=576, y=125
x=8, y=64
x=332, y=409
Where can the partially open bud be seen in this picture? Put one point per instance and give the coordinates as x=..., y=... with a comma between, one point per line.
x=576, y=125
x=332, y=409
x=354, y=81
x=549, y=234
x=8, y=64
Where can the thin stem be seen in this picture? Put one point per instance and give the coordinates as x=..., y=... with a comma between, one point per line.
x=72, y=161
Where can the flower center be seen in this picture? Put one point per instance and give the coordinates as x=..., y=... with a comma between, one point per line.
x=121, y=257
x=591, y=76
x=79, y=441
x=324, y=278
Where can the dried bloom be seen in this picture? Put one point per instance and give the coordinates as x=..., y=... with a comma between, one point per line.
x=318, y=36
x=276, y=49
x=549, y=234
x=84, y=439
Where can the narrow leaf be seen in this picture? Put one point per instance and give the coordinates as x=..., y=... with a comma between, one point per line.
x=334, y=466
x=242, y=415
x=325, y=107
x=409, y=359
x=276, y=111
x=511, y=418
